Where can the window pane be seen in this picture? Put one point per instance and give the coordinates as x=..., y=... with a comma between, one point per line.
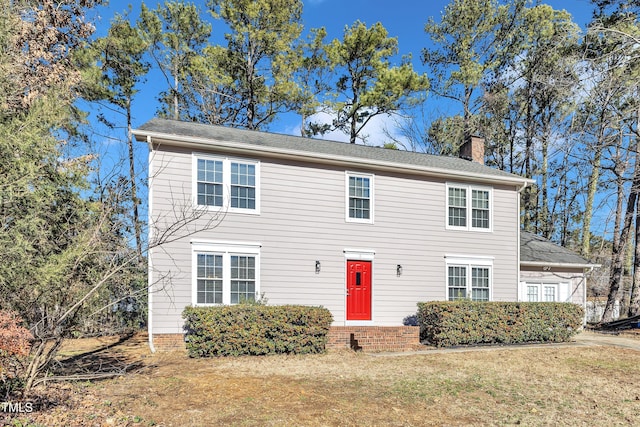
x=480, y=199
x=209, y=185
x=457, y=283
x=458, y=217
x=458, y=207
x=480, y=294
x=458, y=197
x=359, y=197
x=480, y=277
x=209, y=279
x=243, y=181
x=549, y=293
x=532, y=293
x=480, y=284
x=243, y=273
x=480, y=209
x=480, y=218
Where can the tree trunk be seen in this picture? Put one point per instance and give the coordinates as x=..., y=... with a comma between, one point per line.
x=618, y=255
x=544, y=222
x=634, y=294
x=40, y=359
x=530, y=192
x=176, y=109
x=588, y=208
x=137, y=227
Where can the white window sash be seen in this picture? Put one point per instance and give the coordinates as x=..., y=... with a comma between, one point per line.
x=468, y=263
x=371, y=197
x=468, y=207
x=227, y=250
x=226, y=183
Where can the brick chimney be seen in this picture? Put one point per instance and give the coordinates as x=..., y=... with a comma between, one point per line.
x=473, y=149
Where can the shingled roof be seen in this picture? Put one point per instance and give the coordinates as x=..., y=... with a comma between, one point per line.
x=219, y=137
x=536, y=250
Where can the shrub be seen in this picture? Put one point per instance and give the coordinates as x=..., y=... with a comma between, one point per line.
x=250, y=329
x=15, y=344
x=452, y=323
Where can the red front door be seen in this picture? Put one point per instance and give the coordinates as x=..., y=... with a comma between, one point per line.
x=358, y=290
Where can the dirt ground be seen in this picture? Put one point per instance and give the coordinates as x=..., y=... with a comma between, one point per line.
x=588, y=383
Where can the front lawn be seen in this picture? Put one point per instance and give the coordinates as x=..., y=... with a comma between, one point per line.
x=506, y=386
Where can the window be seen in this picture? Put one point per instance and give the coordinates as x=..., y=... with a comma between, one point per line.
x=468, y=278
x=227, y=183
x=243, y=186
x=209, y=182
x=209, y=277
x=457, y=283
x=359, y=198
x=458, y=207
x=464, y=202
x=480, y=284
x=547, y=292
x=225, y=274
x=480, y=209
x=243, y=278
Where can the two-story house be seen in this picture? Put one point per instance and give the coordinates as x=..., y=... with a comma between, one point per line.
x=365, y=232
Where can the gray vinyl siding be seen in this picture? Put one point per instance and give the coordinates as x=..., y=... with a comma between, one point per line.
x=302, y=220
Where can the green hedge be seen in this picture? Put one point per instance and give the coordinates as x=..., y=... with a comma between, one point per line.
x=466, y=323
x=256, y=330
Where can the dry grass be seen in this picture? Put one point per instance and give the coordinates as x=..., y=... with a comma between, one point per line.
x=531, y=386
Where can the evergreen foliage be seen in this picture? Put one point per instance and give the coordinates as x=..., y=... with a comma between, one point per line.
x=255, y=329
x=451, y=323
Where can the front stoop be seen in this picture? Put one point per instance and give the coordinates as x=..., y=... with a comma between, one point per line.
x=374, y=338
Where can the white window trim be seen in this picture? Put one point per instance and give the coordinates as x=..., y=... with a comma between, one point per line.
x=469, y=188
x=371, y=197
x=468, y=262
x=226, y=183
x=226, y=249
x=563, y=291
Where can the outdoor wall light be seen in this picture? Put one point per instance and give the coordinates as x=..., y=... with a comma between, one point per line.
x=317, y=267
x=399, y=270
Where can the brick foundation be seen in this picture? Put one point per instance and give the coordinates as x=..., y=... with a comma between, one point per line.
x=374, y=338
x=169, y=342
x=365, y=338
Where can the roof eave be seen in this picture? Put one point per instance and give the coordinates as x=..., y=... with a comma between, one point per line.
x=241, y=148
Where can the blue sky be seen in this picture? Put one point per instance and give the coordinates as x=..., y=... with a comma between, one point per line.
x=404, y=19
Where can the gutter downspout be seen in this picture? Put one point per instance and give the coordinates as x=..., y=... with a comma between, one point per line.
x=149, y=257
x=524, y=185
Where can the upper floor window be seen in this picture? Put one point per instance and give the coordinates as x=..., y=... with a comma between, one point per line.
x=227, y=183
x=209, y=182
x=468, y=207
x=243, y=185
x=359, y=198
